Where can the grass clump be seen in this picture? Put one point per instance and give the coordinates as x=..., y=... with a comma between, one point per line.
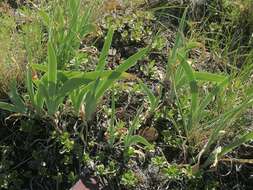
x=160, y=104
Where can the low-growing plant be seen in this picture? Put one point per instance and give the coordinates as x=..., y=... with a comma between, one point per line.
x=55, y=85
x=129, y=179
x=132, y=25
x=130, y=138
x=159, y=161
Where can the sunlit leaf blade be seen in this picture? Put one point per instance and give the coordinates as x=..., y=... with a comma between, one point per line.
x=136, y=121
x=71, y=85
x=194, y=89
x=40, y=67
x=180, y=78
x=131, y=61
x=209, y=77
x=182, y=21
x=78, y=96
x=39, y=95
x=52, y=70
x=52, y=106
x=93, y=75
x=73, y=4
x=136, y=139
x=39, y=99
x=187, y=67
x=178, y=43
x=105, y=50
x=88, y=75
x=119, y=70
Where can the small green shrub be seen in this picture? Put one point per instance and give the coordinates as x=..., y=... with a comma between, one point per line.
x=129, y=179
x=131, y=25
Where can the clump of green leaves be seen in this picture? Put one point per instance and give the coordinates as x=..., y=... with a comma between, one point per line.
x=132, y=26
x=130, y=138
x=129, y=179
x=55, y=85
x=172, y=171
x=193, y=119
x=65, y=140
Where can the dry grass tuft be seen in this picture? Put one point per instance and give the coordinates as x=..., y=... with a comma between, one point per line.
x=12, y=54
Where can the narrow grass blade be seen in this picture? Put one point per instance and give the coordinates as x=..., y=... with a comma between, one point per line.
x=180, y=78
x=112, y=127
x=135, y=124
x=152, y=98
x=224, y=120
x=92, y=75
x=71, y=85
x=85, y=25
x=73, y=5
x=131, y=61
x=40, y=67
x=209, y=77
x=39, y=97
x=8, y=107
x=105, y=50
x=79, y=95
x=187, y=67
x=119, y=70
x=206, y=101
x=178, y=43
x=16, y=98
x=79, y=98
x=91, y=101
x=217, y=154
x=136, y=139
x=29, y=84
x=42, y=92
x=245, y=138
x=52, y=70
x=194, y=89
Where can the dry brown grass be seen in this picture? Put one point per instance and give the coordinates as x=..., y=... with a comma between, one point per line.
x=12, y=54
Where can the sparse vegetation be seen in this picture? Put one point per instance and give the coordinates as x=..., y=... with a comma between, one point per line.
x=126, y=94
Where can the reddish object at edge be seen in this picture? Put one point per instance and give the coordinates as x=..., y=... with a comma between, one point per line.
x=80, y=186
